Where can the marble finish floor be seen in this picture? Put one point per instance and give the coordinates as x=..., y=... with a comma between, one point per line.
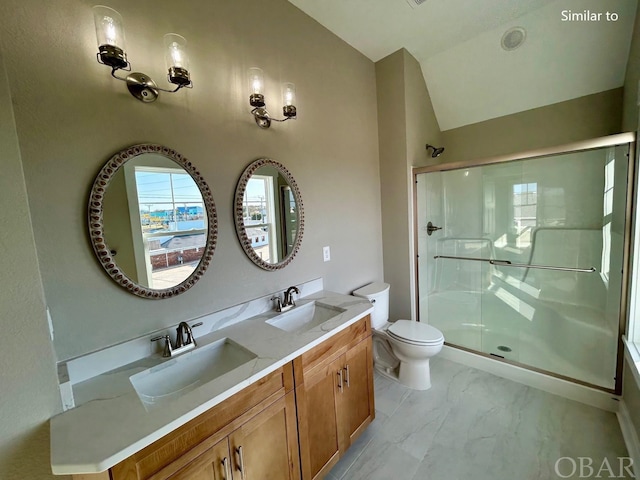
x=474, y=425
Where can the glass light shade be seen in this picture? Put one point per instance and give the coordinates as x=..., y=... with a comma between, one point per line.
x=256, y=81
x=289, y=100
x=288, y=94
x=176, y=51
x=109, y=28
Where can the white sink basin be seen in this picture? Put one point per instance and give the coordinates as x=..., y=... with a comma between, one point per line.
x=184, y=373
x=305, y=317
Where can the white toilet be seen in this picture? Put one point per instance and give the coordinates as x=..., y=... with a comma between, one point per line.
x=401, y=350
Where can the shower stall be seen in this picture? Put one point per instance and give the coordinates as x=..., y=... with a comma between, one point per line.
x=524, y=258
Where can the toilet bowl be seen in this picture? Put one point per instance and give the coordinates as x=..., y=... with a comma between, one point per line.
x=402, y=349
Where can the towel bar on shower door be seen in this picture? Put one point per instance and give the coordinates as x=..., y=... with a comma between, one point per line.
x=508, y=263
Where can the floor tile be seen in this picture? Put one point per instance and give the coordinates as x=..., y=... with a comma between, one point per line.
x=389, y=395
x=472, y=424
x=359, y=445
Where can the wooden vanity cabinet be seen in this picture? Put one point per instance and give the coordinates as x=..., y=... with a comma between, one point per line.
x=258, y=450
x=334, y=396
x=294, y=423
x=250, y=436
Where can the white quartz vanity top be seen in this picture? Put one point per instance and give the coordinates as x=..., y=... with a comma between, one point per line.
x=112, y=423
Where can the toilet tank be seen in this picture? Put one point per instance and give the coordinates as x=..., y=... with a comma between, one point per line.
x=378, y=294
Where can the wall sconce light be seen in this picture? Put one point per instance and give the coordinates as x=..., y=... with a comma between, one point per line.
x=111, y=52
x=256, y=99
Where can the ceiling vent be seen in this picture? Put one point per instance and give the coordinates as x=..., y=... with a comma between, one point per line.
x=416, y=3
x=513, y=38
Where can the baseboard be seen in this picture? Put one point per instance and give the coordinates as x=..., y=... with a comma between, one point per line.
x=573, y=391
x=630, y=436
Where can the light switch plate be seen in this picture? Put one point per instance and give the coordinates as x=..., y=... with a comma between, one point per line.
x=326, y=253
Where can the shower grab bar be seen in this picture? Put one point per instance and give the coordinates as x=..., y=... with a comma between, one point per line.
x=508, y=263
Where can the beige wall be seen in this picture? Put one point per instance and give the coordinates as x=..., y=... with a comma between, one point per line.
x=406, y=122
x=586, y=117
x=631, y=86
x=630, y=389
x=72, y=116
x=631, y=395
x=27, y=377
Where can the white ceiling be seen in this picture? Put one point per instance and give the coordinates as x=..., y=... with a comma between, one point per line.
x=469, y=76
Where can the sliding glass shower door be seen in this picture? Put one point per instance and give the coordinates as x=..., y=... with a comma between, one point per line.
x=523, y=260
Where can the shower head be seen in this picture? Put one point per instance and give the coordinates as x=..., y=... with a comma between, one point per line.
x=436, y=151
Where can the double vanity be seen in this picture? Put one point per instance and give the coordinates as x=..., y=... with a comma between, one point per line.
x=277, y=395
x=270, y=389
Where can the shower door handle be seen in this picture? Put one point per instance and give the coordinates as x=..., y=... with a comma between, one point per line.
x=432, y=228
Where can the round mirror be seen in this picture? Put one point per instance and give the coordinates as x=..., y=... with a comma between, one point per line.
x=152, y=221
x=268, y=214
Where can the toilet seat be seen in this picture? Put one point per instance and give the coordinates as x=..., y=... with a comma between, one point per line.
x=415, y=333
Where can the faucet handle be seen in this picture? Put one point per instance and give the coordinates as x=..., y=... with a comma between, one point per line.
x=190, y=338
x=278, y=302
x=167, y=344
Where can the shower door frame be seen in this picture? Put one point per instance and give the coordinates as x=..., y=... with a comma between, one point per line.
x=630, y=219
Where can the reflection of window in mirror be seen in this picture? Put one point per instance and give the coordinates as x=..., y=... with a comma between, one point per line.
x=259, y=216
x=167, y=213
x=290, y=219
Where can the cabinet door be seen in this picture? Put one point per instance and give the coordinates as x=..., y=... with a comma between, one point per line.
x=266, y=447
x=318, y=419
x=356, y=405
x=213, y=464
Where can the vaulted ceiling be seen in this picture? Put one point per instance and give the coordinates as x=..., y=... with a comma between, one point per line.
x=470, y=77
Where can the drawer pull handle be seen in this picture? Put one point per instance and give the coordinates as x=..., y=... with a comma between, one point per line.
x=241, y=466
x=346, y=370
x=225, y=465
x=340, y=380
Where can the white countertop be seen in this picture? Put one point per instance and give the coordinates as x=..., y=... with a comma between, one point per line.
x=112, y=423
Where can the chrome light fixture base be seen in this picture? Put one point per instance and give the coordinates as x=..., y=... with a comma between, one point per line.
x=262, y=117
x=289, y=111
x=256, y=100
x=179, y=76
x=113, y=56
x=142, y=87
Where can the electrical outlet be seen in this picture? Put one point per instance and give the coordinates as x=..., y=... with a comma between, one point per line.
x=326, y=253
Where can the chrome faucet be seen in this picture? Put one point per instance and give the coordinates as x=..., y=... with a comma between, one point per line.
x=288, y=296
x=286, y=303
x=182, y=344
x=183, y=327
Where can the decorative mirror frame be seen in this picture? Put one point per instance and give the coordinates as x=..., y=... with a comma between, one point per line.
x=245, y=241
x=96, y=221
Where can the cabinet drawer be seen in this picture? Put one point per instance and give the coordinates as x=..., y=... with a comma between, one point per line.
x=331, y=349
x=209, y=426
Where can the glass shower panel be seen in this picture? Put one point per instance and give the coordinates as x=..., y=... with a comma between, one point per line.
x=450, y=290
x=509, y=210
x=527, y=266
